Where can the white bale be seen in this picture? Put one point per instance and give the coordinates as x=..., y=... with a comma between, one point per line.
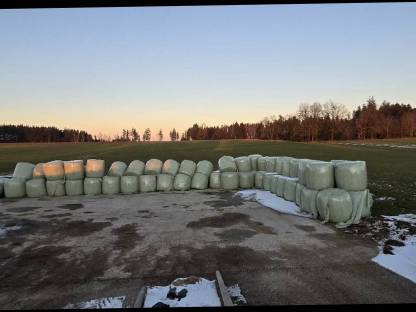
x=38, y=172
x=229, y=180
x=293, y=167
x=117, y=169
x=93, y=186
x=111, y=185
x=205, y=167
x=267, y=179
x=14, y=188
x=227, y=164
x=182, y=182
x=261, y=163
x=338, y=161
x=351, y=175
x=199, y=181
x=243, y=164
x=23, y=171
x=215, y=180
x=302, y=170
x=289, y=192
x=54, y=170
x=273, y=183
x=130, y=184
x=362, y=202
x=308, y=201
x=246, y=179
x=280, y=185
x=270, y=165
x=286, y=165
x=74, y=169
x=94, y=168
x=74, y=187
x=278, y=165
x=35, y=188
x=165, y=181
x=171, y=167
x=153, y=167
x=253, y=161
x=319, y=175
x=135, y=168
x=147, y=183
x=258, y=179
x=299, y=188
x=55, y=188
x=334, y=205
x=187, y=167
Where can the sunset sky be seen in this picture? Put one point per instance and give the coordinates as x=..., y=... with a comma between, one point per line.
x=105, y=69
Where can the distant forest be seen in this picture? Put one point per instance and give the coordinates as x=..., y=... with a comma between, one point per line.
x=311, y=122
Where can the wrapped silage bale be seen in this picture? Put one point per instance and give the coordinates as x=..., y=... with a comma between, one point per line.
x=111, y=185
x=147, y=183
x=286, y=165
x=199, y=181
x=253, y=161
x=319, y=175
x=38, y=172
x=54, y=170
x=14, y=188
x=334, y=205
x=338, y=161
x=230, y=180
x=94, y=168
x=74, y=187
x=280, y=185
x=93, y=186
x=308, y=201
x=215, y=180
x=299, y=188
x=182, y=182
x=204, y=167
x=23, y=171
x=246, y=179
x=278, y=165
x=130, y=184
x=302, y=170
x=273, y=183
x=187, y=167
x=171, y=167
x=164, y=182
x=153, y=167
x=289, y=192
x=267, y=180
x=293, y=167
x=362, y=202
x=74, y=169
x=135, y=168
x=117, y=169
x=261, y=163
x=227, y=164
x=55, y=188
x=270, y=165
x=351, y=175
x=258, y=179
x=243, y=164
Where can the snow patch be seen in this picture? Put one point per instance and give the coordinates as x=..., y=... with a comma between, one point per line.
x=102, y=303
x=235, y=293
x=385, y=198
x=4, y=229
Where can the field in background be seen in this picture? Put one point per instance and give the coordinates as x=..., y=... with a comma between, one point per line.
x=391, y=170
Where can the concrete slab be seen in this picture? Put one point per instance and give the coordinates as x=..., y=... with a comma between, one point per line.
x=66, y=250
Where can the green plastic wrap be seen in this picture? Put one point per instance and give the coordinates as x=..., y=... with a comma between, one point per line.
x=302, y=170
x=319, y=175
x=171, y=167
x=261, y=163
x=55, y=188
x=111, y=185
x=74, y=187
x=205, y=167
x=23, y=171
x=215, y=180
x=130, y=184
x=246, y=179
x=117, y=169
x=135, y=168
x=35, y=188
x=270, y=165
x=14, y=188
x=147, y=183
x=93, y=186
x=289, y=192
x=351, y=175
x=308, y=201
x=187, y=167
x=334, y=205
x=293, y=167
x=38, y=172
x=278, y=165
x=165, y=182
x=273, y=183
x=299, y=188
x=199, y=181
x=95, y=168
x=258, y=179
x=286, y=165
x=227, y=164
x=229, y=180
x=54, y=170
x=243, y=164
x=182, y=182
x=253, y=161
x=74, y=169
x=280, y=185
x=267, y=179
x=153, y=167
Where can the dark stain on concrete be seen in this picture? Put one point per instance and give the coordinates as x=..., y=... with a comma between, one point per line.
x=226, y=199
x=235, y=235
x=23, y=209
x=71, y=206
x=127, y=237
x=143, y=211
x=57, y=215
x=166, y=206
x=112, y=219
x=305, y=228
x=88, y=212
x=10, y=200
x=44, y=199
x=48, y=210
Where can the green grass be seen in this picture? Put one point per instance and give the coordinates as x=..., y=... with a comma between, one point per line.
x=391, y=171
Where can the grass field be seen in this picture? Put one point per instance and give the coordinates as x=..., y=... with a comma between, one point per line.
x=391, y=171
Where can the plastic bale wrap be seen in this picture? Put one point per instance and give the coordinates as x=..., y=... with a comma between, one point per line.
x=289, y=192
x=54, y=170
x=135, y=168
x=187, y=167
x=334, y=205
x=351, y=175
x=338, y=161
x=55, y=188
x=293, y=167
x=215, y=180
x=243, y=164
x=279, y=165
x=35, y=188
x=147, y=183
x=74, y=187
x=362, y=202
x=182, y=182
x=253, y=161
x=319, y=175
x=92, y=186
x=153, y=167
x=273, y=183
x=38, y=172
x=302, y=170
x=280, y=185
x=286, y=165
x=299, y=188
x=258, y=179
x=261, y=164
x=164, y=182
x=230, y=180
x=267, y=180
x=270, y=165
x=308, y=201
x=111, y=185
x=246, y=179
x=227, y=164
x=199, y=181
x=171, y=167
x=204, y=167
x=23, y=171
x=74, y=169
x=95, y=168
x=130, y=184
x=14, y=188
x=117, y=169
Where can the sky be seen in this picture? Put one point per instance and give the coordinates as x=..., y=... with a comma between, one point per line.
x=105, y=69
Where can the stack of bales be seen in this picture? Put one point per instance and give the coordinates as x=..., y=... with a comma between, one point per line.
x=74, y=177
x=36, y=186
x=165, y=179
x=55, y=178
x=16, y=186
x=148, y=181
x=245, y=171
x=111, y=181
x=94, y=171
x=130, y=180
x=183, y=179
x=229, y=178
x=200, y=180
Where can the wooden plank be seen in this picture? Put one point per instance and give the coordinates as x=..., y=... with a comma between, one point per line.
x=226, y=299
x=140, y=298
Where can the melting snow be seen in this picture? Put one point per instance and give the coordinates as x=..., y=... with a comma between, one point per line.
x=102, y=303
x=5, y=229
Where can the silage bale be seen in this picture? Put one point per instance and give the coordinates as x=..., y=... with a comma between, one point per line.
x=302, y=170
x=261, y=163
x=205, y=167
x=286, y=165
x=246, y=179
x=319, y=175
x=171, y=167
x=94, y=168
x=182, y=182
x=54, y=170
x=273, y=183
x=280, y=185
x=74, y=169
x=278, y=165
x=258, y=179
x=111, y=185
x=147, y=183
x=153, y=167
x=74, y=187
x=334, y=205
x=289, y=192
x=130, y=184
x=215, y=180
x=338, y=161
x=199, y=181
x=362, y=202
x=23, y=171
x=187, y=167
x=253, y=161
x=35, y=188
x=299, y=188
x=229, y=180
x=117, y=169
x=93, y=186
x=164, y=181
x=267, y=179
x=308, y=201
x=351, y=175
x=270, y=164
x=14, y=188
x=293, y=167
x=135, y=168
x=38, y=172
x=55, y=188
x=227, y=164
x=243, y=164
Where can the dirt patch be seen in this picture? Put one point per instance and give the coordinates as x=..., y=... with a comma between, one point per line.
x=57, y=215
x=10, y=200
x=235, y=235
x=305, y=228
x=143, y=211
x=127, y=237
x=71, y=206
x=186, y=281
x=227, y=199
x=23, y=209
x=88, y=212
